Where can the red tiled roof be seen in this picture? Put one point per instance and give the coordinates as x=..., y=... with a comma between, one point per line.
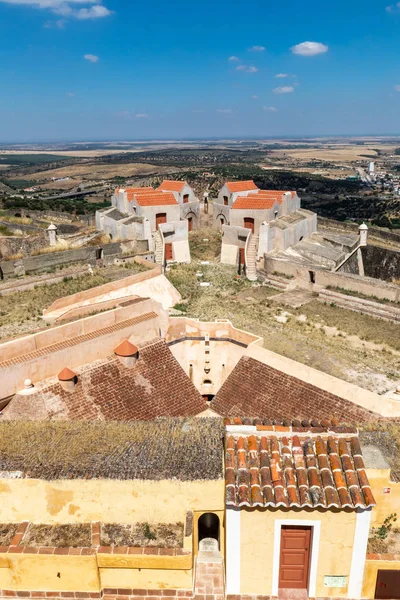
x=254, y=202
x=241, y=186
x=171, y=185
x=276, y=467
x=132, y=191
x=155, y=199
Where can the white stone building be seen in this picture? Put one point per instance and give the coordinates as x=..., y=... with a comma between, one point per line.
x=163, y=217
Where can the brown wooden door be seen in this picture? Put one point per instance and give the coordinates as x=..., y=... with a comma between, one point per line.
x=388, y=584
x=168, y=251
x=294, y=557
x=161, y=218
x=249, y=223
x=241, y=256
x=190, y=223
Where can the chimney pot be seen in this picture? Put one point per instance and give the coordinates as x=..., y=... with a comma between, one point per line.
x=127, y=353
x=67, y=379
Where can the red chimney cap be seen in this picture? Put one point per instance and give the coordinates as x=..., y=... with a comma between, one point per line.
x=66, y=375
x=125, y=349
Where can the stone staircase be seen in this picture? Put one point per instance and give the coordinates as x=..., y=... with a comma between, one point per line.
x=158, y=248
x=251, y=258
x=278, y=282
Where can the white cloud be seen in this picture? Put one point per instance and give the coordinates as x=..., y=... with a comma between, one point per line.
x=393, y=8
x=91, y=58
x=397, y=88
x=309, y=48
x=270, y=109
x=254, y=97
x=257, y=49
x=66, y=8
x=142, y=116
x=94, y=12
x=224, y=111
x=281, y=75
x=70, y=94
x=285, y=89
x=233, y=58
x=247, y=68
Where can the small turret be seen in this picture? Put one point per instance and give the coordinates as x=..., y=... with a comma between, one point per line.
x=363, y=232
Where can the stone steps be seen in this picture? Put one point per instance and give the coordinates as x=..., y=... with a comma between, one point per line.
x=361, y=305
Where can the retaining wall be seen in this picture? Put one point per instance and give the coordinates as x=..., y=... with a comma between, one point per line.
x=361, y=305
x=323, y=278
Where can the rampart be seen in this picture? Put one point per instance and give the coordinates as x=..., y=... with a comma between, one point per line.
x=314, y=279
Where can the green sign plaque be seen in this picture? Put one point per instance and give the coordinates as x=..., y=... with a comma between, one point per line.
x=335, y=581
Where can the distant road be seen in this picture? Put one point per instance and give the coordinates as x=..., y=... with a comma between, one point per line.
x=72, y=194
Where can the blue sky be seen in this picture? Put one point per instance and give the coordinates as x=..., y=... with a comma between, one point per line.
x=120, y=69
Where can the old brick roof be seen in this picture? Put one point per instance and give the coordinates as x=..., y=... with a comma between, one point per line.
x=289, y=467
x=180, y=449
x=255, y=389
x=241, y=186
x=171, y=185
x=156, y=386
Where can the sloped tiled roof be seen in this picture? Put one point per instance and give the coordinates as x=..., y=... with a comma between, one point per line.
x=241, y=186
x=254, y=202
x=156, y=386
x=292, y=468
x=155, y=199
x=134, y=190
x=171, y=185
x=255, y=389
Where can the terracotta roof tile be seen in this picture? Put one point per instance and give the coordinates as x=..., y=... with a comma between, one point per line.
x=171, y=185
x=289, y=471
x=126, y=348
x=66, y=374
x=135, y=190
x=155, y=198
x=241, y=186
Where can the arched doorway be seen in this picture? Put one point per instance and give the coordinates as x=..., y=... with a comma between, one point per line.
x=208, y=527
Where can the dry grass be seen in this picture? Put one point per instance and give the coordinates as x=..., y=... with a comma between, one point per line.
x=385, y=435
x=205, y=244
x=69, y=535
x=7, y=532
x=248, y=307
x=389, y=545
x=161, y=535
x=181, y=449
x=345, y=153
x=96, y=171
x=17, y=220
x=51, y=249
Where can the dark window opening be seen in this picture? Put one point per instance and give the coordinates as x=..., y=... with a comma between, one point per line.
x=312, y=276
x=301, y=238
x=186, y=198
x=110, y=236
x=208, y=397
x=226, y=200
x=207, y=382
x=276, y=214
x=1, y=274
x=208, y=527
x=99, y=253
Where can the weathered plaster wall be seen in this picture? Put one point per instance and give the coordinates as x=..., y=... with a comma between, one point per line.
x=146, y=578
x=257, y=547
x=371, y=571
x=387, y=503
x=108, y=501
x=62, y=573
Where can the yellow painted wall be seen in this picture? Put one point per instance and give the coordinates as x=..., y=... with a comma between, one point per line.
x=109, y=501
x=146, y=578
x=371, y=570
x=196, y=517
x=257, y=547
x=386, y=503
x=39, y=573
